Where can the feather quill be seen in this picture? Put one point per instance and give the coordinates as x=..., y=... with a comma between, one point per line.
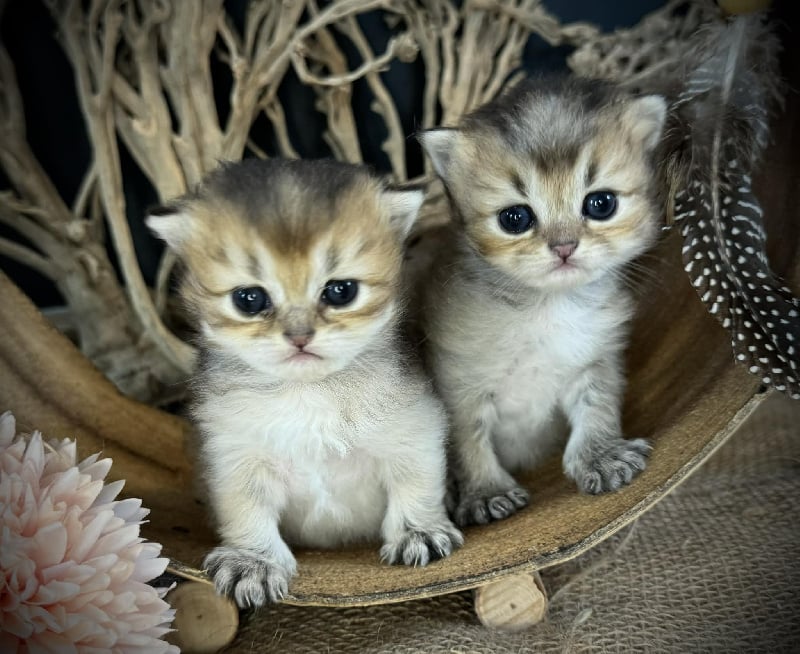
x=718, y=132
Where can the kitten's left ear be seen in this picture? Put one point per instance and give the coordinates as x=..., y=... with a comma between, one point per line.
x=170, y=223
x=646, y=117
x=403, y=208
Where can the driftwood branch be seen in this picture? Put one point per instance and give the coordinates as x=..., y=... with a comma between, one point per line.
x=22, y=223
x=652, y=47
x=18, y=161
x=259, y=70
x=405, y=49
x=143, y=74
x=93, y=70
x=28, y=257
x=401, y=43
x=274, y=111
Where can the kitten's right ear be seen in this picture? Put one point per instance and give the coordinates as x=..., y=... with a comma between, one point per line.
x=172, y=224
x=404, y=207
x=438, y=144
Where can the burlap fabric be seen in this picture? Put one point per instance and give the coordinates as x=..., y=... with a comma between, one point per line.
x=714, y=567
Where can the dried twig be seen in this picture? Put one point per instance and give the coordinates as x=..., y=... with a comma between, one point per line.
x=402, y=43
x=334, y=102
x=406, y=50
x=274, y=111
x=94, y=71
x=28, y=257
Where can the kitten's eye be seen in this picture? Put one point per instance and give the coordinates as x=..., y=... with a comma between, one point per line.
x=338, y=293
x=600, y=205
x=251, y=300
x=516, y=219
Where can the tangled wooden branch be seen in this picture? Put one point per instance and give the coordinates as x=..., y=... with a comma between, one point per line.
x=143, y=71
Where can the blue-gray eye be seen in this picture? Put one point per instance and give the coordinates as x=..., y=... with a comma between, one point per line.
x=338, y=293
x=251, y=300
x=516, y=219
x=600, y=205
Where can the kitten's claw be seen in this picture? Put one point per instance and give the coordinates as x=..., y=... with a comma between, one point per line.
x=609, y=468
x=418, y=548
x=249, y=576
x=481, y=507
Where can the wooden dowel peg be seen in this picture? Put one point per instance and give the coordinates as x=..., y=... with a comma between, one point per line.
x=512, y=603
x=204, y=621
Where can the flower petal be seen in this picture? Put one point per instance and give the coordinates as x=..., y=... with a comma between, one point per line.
x=50, y=545
x=55, y=591
x=109, y=492
x=8, y=427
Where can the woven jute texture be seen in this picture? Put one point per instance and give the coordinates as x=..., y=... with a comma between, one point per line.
x=714, y=567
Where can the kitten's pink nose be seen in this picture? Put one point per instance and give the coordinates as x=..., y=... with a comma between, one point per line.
x=564, y=250
x=299, y=340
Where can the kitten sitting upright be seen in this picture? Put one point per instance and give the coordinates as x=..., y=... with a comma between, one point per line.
x=314, y=427
x=552, y=194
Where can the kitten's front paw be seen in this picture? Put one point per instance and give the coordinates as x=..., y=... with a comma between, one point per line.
x=482, y=506
x=249, y=576
x=610, y=467
x=419, y=547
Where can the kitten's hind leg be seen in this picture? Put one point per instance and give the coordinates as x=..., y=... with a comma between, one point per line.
x=597, y=457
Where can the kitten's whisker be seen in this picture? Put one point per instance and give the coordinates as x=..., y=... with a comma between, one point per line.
x=642, y=275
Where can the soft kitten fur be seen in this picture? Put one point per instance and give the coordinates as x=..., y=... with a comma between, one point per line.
x=314, y=428
x=519, y=337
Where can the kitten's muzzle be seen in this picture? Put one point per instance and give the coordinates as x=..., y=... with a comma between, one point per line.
x=564, y=250
x=299, y=339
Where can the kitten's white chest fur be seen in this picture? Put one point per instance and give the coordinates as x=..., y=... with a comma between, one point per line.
x=521, y=357
x=339, y=498
x=321, y=450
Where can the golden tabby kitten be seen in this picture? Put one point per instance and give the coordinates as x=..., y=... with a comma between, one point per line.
x=314, y=427
x=552, y=190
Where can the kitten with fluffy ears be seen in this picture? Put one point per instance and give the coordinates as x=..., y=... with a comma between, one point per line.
x=552, y=194
x=314, y=427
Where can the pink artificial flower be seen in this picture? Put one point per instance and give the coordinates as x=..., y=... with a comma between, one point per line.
x=73, y=568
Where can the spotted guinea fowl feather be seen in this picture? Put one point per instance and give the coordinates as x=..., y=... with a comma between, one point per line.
x=719, y=129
